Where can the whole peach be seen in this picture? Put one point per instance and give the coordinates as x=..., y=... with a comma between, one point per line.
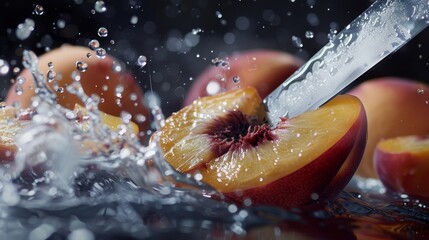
x=402, y=164
x=395, y=107
x=100, y=78
x=261, y=69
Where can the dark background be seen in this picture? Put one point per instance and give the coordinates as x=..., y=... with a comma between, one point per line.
x=164, y=28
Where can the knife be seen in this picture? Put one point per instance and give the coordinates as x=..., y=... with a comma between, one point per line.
x=379, y=31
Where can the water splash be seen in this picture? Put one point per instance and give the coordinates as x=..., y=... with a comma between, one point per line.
x=76, y=177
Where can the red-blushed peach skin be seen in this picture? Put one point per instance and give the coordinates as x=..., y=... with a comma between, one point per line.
x=93, y=81
x=395, y=107
x=262, y=69
x=324, y=176
x=402, y=164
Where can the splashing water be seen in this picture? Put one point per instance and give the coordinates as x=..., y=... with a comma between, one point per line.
x=75, y=177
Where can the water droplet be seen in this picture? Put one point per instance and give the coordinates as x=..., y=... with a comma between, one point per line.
x=119, y=90
x=29, y=59
x=420, y=90
x=75, y=76
x=195, y=31
x=134, y=19
x=81, y=66
x=4, y=67
x=142, y=61
x=16, y=70
x=60, y=90
x=101, y=53
x=38, y=10
x=297, y=42
x=116, y=67
x=50, y=64
x=100, y=6
x=93, y=44
x=88, y=55
x=221, y=63
x=51, y=75
x=218, y=14
x=140, y=118
x=24, y=30
x=102, y=32
x=236, y=79
x=314, y=196
x=309, y=34
x=61, y=23
x=213, y=88
x=20, y=80
x=19, y=89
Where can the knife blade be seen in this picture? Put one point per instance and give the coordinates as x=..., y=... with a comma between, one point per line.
x=379, y=31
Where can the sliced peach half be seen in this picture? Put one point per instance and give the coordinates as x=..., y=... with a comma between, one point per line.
x=10, y=126
x=402, y=164
x=226, y=140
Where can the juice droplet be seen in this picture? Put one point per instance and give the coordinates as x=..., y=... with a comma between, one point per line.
x=4, y=67
x=236, y=79
x=101, y=53
x=93, y=44
x=81, y=66
x=142, y=61
x=102, y=32
x=38, y=10
x=100, y=6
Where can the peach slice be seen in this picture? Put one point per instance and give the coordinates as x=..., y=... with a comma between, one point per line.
x=402, y=164
x=262, y=69
x=10, y=126
x=395, y=107
x=225, y=141
x=100, y=78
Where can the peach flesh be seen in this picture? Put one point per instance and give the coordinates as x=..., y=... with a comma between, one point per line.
x=402, y=164
x=294, y=163
x=93, y=81
x=395, y=107
x=235, y=132
x=261, y=69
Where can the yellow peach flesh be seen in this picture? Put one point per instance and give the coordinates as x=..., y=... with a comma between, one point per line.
x=412, y=145
x=300, y=141
x=183, y=137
